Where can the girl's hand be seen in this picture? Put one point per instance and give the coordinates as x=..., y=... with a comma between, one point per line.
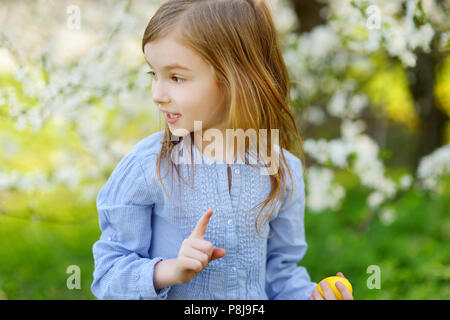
x=196, y=253
x=329, y=294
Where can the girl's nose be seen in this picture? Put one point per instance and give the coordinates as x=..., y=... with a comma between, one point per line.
x=159, y=93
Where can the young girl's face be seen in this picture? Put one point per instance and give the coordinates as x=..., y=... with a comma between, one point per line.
x=189, y=89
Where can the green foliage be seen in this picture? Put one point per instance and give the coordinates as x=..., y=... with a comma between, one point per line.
x=35, y=257
x=412, y=251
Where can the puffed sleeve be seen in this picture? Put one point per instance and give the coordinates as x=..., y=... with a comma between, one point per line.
x=123, y=268
x=284, y=279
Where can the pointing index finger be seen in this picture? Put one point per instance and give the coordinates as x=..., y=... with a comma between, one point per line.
x=202, y=224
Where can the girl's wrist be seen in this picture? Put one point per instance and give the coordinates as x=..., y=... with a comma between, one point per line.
x=163, y=275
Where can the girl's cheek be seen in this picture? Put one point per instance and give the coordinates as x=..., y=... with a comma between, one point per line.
x=191, y=109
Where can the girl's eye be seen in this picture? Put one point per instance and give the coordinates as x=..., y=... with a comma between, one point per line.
x=152, y=74
x=178, y=78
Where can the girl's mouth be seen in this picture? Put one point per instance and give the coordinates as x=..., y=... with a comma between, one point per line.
x=172, y=117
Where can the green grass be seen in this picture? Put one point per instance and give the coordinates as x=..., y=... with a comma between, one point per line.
x=35, y=257
x=412, y=252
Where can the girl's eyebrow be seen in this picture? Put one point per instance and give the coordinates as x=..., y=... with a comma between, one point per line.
x=173, y=66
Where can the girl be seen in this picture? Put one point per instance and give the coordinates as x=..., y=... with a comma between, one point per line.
x=217, y=64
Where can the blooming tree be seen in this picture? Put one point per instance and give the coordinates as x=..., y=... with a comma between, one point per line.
x=82, y=75
x=332, y=61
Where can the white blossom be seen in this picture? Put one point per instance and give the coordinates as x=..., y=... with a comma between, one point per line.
x=387, y=216
x=69, y=176
x=339, y=151
x=406, y=181
x=336, y=105
x=321, y=193
x=319, y=42
x=351, y=130
x=284, y=16
x=375, y=199
x=421, y=37
x=314, y=115
x=434, y=166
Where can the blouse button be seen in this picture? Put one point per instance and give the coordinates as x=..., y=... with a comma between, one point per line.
x=236, y=171
x=109, y=238
x=230, y=222
x=233, y=269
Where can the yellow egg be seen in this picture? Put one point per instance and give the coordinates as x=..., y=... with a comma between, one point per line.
x=332, y=283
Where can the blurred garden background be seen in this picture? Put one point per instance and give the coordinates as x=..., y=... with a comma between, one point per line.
x=371, y=95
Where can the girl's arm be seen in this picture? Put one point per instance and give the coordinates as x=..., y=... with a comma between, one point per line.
x=123, y=268
x=284, y=279
x=163, y=273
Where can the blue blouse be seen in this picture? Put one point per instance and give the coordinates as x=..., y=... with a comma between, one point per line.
x=141, y=226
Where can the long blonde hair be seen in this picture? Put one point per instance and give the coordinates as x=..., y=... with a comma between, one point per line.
x=239, y=40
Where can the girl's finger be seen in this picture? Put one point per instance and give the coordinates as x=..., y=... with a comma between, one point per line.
x=316, y=295
x=218, y=253
x=327, y=292
x=202, y=245
x=202, y=224
x=191, y=264
x=340, y=274
x=202, y=257
x=346, y=295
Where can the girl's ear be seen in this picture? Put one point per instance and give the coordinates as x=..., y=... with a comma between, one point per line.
x=219, y=83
